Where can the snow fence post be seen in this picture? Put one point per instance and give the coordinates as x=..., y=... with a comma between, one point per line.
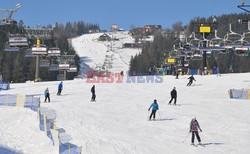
x=55, y=137
x=45, y=124
x=7, y=100
x=68, y=148
x=20, y=100
x=249, y=94
x=38, y=116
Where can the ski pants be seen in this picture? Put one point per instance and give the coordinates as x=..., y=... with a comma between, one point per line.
x=197, y=136
x=189, y=83
x=59, y=91
x=93, y=96
x=47, y=97
x=172, y=99
x=152, y=114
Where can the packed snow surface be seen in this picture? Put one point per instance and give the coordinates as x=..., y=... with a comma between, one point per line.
x=118, y=121
x=20, y=132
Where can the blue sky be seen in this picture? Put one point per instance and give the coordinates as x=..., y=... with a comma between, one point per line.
x=122, y=12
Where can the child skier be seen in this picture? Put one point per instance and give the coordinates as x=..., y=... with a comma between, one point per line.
x=194, y=126
x=155, y=107
x=46, y=94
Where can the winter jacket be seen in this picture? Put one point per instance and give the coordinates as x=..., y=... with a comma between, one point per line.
x=191, y=78
x=93, y=89
x=60, y=86
x=46, y=92
x=154, y=106
x=194, y=125
x=174, y=93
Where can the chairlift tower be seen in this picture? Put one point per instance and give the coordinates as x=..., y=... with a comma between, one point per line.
x=65, y=64
x=244, y=7
x=6, y=15
x=39, y=49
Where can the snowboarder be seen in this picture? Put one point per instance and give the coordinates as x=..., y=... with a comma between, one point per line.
x=191, y=78
x=60, y=87
x=173, y=96
x=46, y=94
x=155, y=107
x=93, y=93
x=194, y=126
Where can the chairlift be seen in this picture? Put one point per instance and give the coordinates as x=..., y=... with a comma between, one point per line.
x=64, y=66
x=44, y=63
x=54, y=52
x=72, y=69
x=39, y=50
x=18, y=41
x=54, y=67
x=7, y=48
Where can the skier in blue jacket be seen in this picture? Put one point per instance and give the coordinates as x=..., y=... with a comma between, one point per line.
x=154, y=107
x=60, y=87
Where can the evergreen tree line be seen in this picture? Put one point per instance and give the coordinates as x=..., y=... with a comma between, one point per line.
x=153, y=54
x=15, y=67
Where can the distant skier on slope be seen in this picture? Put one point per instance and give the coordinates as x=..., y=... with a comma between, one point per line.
x=177, y=74
x=60, y=87
x=122, y=75
x=173, y=96
x=191, y=78
x=154, y=107
x=194, y=126
x=93, y=93
x=149, y=71
x=46, y=94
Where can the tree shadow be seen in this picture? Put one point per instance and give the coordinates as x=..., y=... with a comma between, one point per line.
x=193, y=85
x=6, y=150
x=164, y=119
x=211, y=143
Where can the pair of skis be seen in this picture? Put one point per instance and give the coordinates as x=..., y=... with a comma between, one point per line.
x=196, y=145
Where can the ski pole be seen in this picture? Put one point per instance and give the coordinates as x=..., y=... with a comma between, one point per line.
x=186, y=138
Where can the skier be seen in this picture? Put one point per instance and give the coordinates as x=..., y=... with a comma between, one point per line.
x=122, y=75
x=218, y=72
x=194, y=126
x=149, y=71
x=173, y=96
x=93, y=93
x=177, y=73
x=191, y=78
x=46, y=94
x=60, y=87
x=155, y=107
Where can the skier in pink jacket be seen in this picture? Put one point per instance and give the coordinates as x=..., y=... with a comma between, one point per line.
x=194, y=126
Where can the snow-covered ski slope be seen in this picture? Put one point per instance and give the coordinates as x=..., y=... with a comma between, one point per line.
x=93, y=53
x=117, y=121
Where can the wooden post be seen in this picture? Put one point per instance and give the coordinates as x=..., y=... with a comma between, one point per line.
x=68, y=148
x=45, y=124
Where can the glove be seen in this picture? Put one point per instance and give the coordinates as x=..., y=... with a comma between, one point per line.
x=201, y=130
x=148, y=109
